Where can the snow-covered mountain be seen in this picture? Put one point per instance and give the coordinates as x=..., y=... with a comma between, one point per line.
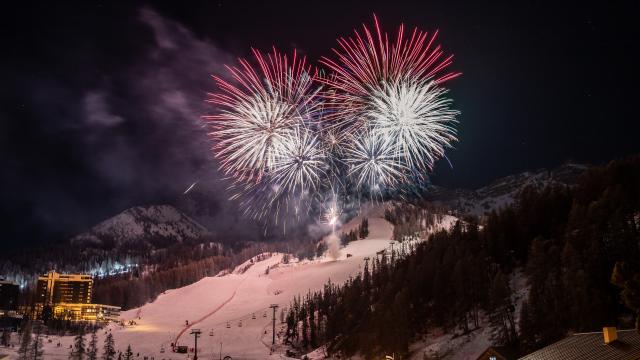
x=157, y=224
x=503, y=191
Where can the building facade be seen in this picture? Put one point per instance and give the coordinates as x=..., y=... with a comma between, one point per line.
x=86, y=312
x=54, y=288
x=68, y=297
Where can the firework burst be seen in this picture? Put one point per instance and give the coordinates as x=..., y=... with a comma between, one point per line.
x=369, y=57
x=263, y=131
x=287, y=136
x=300, y=163
x=414, y=119
x=258, y=115
x=392, y=90
x=373, y=162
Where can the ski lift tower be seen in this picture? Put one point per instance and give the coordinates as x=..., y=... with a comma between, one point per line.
x=196, y=333
x=273, y=339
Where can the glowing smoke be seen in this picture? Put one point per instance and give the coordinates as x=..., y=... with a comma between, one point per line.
x=333, y=245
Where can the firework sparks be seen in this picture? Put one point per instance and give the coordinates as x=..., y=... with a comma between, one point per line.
x=391, y=91
x=367, y=58
x=377, y=122
x=415, y=117
x=257, y=117
x=263, y=131
x=332, y=214
x=299, y=164
x=374, y=162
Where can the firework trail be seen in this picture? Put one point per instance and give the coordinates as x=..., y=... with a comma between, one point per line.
x=189, y=188
x=299, y=164
x=331, y=216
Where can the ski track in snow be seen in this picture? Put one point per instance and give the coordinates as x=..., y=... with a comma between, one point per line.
x=208, y=315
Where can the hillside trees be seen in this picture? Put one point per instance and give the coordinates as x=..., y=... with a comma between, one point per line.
x=573, y=243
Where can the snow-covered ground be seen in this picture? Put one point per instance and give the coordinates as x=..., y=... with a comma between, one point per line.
x=439, y=345
x=232, y=310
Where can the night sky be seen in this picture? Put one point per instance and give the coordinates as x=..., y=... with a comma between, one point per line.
x=100, y=102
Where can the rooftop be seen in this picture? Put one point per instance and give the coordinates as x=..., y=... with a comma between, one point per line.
x=591, y=346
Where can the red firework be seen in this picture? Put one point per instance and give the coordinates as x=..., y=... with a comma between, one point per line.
x=369, y=58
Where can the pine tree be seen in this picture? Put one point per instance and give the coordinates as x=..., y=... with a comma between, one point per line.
x=312, y=324
x=36, y=351
x=363, y=229
x=527, y=329
x=25, y=341
x=128, y=355
x=92, y=352
x=79, y=350
x=291, y=325
x=109, y=349
x=502, y=311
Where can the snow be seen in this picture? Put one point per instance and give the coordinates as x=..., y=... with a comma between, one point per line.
x=144, y=222
x=441, y=345
x=233, y=298
x=445, y=222
x=469, y=346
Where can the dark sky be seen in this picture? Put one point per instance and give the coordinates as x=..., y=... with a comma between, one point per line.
x=101, y=101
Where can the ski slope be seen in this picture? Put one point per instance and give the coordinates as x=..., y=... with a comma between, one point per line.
x=232, y=310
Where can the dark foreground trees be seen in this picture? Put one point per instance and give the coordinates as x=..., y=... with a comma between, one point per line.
x=567, y=240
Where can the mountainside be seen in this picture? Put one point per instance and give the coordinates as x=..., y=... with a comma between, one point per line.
x=503, y=191
x=160, y=225
x=155, y=225
x=233, y=308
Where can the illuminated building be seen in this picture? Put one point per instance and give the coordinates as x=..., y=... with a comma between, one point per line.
x=68, y=297
x=54, y=288
x=86, y=312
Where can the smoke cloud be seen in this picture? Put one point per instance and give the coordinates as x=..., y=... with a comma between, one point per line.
x=333, y=245
x=122, y=128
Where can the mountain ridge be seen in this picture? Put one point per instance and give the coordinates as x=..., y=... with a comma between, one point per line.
x=502, y=191
x=154, y=224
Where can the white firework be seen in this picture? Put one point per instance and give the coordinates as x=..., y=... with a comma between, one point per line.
x=255, y=130
x=374, y=162
x=414, y=118
x=258, y=113
x=291, y=183
x=299, y=164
